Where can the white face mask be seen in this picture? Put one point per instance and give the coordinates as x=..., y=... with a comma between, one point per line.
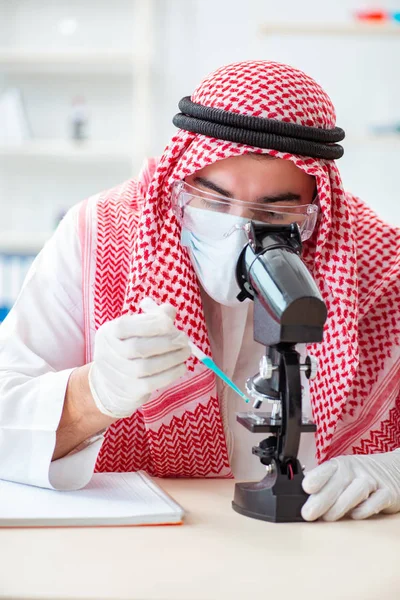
x=214, y=260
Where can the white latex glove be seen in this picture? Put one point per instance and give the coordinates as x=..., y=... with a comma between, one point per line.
x=134, y=355
x=359, y=485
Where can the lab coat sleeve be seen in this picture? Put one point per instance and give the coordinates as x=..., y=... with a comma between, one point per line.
x=41, y=342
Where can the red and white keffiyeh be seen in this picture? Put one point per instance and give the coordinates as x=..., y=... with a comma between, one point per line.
x=353, y=256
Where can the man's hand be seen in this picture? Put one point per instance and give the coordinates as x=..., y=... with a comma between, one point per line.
x=134, y=355
x=360, y=486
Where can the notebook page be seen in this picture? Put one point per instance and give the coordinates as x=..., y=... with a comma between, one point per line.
x=108, y=496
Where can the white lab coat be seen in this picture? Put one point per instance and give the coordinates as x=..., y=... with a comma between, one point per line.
x=42, y=341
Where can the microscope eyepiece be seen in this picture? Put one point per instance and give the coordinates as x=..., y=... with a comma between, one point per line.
x=287, y=303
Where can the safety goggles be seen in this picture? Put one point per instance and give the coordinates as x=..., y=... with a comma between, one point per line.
x=195, y=208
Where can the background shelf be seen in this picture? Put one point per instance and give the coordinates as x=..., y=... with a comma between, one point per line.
x=336, y=29
x=22, y=243
x=110, y=62
x=88, y=151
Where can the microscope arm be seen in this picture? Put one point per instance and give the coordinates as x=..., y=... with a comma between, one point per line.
x=289, y=439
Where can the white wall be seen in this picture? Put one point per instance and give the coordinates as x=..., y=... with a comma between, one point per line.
x=34, y=23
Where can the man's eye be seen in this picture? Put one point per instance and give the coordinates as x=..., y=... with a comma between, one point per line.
x=276, y=216
x=218, y=206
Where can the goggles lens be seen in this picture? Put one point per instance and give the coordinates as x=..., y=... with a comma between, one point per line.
x=194, y=210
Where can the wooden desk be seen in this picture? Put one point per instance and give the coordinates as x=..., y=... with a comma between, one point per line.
x=216, y=554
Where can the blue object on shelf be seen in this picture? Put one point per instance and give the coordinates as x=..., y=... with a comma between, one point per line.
x=3, y=312
x=13, y=270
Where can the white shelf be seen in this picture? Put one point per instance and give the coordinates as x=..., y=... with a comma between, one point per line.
x=22, y=243
x=352, y=29
x=387, y=138
x=109, y=152
x=60, y=61
x=88, y=151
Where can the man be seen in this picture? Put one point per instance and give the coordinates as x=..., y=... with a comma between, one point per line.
x=89, y=380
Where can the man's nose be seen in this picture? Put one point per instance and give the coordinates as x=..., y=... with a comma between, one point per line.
x=238, y=211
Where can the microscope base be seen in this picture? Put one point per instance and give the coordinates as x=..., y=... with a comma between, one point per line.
x=276, y=498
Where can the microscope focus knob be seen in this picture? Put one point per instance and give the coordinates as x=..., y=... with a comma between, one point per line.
x=266, y=367
x=312, y=364
x=266, y=450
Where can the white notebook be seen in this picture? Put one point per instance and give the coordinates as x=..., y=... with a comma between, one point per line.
x=109, y=499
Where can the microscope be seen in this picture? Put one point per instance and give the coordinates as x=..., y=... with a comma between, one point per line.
x=288, y=310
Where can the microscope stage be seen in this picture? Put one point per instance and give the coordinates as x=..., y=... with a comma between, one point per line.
x=263, y=423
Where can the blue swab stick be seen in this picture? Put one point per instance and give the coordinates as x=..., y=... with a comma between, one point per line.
x=148, y=303
x=208, y=361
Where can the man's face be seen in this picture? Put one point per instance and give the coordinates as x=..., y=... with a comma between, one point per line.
x=256, y=179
